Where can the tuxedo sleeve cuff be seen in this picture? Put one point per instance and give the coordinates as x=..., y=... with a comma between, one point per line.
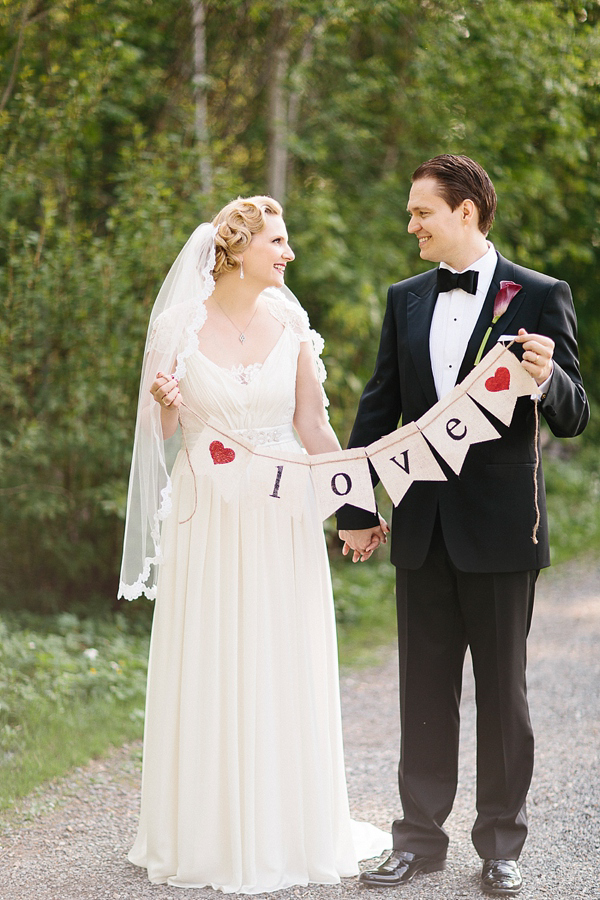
x=542, y=389
x=352, y=518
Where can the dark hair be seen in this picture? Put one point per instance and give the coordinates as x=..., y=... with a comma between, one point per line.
x=461, y=178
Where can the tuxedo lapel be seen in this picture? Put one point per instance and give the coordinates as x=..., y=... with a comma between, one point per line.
x=419, y=314
x=504, y=272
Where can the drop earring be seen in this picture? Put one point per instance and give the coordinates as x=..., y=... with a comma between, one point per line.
x=241, y=268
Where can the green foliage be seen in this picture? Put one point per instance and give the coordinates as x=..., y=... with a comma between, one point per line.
x=365, y=605
x=69, y=688
x=99, y=188
x=573, y=487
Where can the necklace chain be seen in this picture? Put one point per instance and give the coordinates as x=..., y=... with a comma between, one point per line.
x=242, y=335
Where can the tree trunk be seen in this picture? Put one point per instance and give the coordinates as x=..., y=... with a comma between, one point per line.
x=278, y=123
x=25, y=21
x=298, y=82
x=200, y=82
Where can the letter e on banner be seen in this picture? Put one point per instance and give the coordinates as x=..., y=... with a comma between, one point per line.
x=453, y=425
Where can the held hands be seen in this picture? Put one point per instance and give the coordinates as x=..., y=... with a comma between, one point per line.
x=364, y=541
x=165, y=390
x=537, y=356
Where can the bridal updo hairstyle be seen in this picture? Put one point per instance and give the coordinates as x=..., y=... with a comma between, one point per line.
x=236, y=223
x=461, y=178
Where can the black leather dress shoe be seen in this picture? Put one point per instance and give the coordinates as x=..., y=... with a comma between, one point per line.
x=501, y=877
x=399, y=868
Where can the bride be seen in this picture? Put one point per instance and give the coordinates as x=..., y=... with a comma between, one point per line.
x=243, y=785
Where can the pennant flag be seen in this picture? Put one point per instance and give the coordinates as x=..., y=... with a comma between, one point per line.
x=223, y=457
x=280, y=479
x=342, y=477
x=402, y=457
x=453, y=425
x=498, y=381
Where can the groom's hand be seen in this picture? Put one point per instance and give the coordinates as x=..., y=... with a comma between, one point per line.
x=363, y=541
x=537, y=356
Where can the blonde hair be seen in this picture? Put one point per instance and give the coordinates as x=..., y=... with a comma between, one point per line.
x=236, y=223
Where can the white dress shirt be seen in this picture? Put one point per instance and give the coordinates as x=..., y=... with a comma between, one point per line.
x=454, y=318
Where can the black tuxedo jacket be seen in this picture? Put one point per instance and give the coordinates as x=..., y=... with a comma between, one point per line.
x=487, y=513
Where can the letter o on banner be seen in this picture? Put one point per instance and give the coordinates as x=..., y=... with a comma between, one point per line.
x=334, y=486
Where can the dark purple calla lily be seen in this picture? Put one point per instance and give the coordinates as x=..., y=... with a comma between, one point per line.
x=508, y=290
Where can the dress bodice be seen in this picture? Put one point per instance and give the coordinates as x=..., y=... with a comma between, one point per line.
x=261, y=395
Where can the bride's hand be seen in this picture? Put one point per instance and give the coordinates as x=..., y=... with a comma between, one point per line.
x=165, y=390
x=384, y=527
x=362, y=542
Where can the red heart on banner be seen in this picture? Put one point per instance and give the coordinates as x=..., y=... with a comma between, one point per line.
x=220, y=454
x=500, y=380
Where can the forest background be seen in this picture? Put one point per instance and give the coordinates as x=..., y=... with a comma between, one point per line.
x=124, y=123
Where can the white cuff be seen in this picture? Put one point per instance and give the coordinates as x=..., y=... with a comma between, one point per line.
x=542, y=389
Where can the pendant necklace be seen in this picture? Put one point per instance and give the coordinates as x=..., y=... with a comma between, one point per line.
x=242, y=335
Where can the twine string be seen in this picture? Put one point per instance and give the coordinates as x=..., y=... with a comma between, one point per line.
x=536, y=526
x=187, y=453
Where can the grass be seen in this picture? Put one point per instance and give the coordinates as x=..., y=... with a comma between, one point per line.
x=365, y=604
x=69, y=690
x=573, y=489
x=51, y=744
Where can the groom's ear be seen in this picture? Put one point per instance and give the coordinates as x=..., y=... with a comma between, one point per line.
x=469, y=212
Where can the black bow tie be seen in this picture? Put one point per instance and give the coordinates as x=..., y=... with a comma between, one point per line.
x=447, y=280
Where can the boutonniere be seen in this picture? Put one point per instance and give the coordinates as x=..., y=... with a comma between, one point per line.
x=508, y=290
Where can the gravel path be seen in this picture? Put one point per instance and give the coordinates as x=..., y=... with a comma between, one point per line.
x=69, y=841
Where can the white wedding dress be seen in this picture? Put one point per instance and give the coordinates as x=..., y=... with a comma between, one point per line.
x=243, y=785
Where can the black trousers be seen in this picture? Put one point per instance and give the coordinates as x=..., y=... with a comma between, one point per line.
x=441, y=611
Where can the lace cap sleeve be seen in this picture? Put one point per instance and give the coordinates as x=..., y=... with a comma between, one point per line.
x=288, y=311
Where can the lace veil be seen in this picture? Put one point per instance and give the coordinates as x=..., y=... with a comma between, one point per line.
x=178, y=314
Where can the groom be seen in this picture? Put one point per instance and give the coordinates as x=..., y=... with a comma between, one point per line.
x=466, y=564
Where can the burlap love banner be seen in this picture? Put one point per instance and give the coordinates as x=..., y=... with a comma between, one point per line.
x=264, y=475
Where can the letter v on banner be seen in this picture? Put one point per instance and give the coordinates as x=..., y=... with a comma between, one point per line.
x=453, y=425
x=402, y=457
x=342, y=477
